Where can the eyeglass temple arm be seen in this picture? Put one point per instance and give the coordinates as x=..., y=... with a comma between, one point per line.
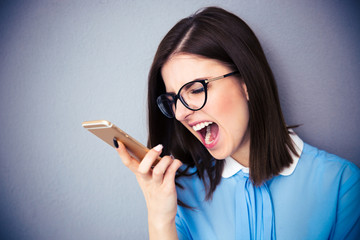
x=220, y=77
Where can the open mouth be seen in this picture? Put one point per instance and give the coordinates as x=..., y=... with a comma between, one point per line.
x=208, y=132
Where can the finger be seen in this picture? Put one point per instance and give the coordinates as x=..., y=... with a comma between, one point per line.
x=169, y=178
x=160, y=169
x=126, y=158
x=149, y=159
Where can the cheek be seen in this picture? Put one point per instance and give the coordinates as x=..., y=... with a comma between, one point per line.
x=231, y=104
x=232, y=113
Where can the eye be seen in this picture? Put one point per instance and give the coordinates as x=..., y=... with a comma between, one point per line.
x=198, y=90
x=195, y=88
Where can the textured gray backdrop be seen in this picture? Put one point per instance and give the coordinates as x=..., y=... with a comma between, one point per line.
x=63, y=62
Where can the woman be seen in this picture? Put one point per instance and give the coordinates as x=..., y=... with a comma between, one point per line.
x=213, y=104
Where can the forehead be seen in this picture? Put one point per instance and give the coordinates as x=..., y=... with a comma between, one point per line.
x=183, y=68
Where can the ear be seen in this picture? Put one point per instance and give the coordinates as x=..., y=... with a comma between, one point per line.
x=244, y=87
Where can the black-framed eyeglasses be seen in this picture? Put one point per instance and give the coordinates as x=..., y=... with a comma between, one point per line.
x=192, y=95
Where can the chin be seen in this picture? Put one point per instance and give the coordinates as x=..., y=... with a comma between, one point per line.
x=218, y=156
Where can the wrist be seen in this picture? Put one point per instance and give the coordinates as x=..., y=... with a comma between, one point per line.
x=160, y=223
x=162, y=229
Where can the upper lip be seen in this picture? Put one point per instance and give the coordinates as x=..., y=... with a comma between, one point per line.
x=197, y=122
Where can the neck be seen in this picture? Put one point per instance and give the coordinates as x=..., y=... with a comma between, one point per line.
x=242, y=159
x=242, y=154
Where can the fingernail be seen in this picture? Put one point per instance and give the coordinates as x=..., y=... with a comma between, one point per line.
x=158, y=147
x=116, y=143
x=172, y=156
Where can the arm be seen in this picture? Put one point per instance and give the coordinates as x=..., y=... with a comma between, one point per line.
x=158, y=187
x=348, y=211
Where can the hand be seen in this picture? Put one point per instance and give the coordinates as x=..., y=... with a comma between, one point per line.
x=157, y=184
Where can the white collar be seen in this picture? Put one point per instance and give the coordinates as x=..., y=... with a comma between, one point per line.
x=231, y=166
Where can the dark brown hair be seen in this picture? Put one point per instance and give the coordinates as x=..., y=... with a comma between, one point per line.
x=217, y=34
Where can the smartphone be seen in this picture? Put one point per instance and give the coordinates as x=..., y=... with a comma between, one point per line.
x=107, y=131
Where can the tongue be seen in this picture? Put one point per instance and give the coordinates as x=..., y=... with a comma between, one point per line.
x=208, y=136
x=210, y=133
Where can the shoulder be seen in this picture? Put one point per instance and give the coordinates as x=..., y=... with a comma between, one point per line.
x=318, y=171
x=325, y=173
x=314, y=160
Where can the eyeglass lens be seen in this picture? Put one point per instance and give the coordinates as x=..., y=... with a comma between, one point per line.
x=192, y=95
x=166, y=105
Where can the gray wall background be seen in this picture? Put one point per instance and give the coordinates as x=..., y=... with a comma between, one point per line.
x=64, y=62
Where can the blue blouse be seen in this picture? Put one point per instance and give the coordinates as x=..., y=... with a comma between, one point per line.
x=317, y=197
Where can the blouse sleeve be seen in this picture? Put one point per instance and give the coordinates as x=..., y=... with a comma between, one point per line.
x=347, y=224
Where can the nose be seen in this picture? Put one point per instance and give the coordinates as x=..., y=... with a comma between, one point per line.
x=182, y=112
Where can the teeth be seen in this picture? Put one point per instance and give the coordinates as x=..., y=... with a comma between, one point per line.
x=200, y=126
